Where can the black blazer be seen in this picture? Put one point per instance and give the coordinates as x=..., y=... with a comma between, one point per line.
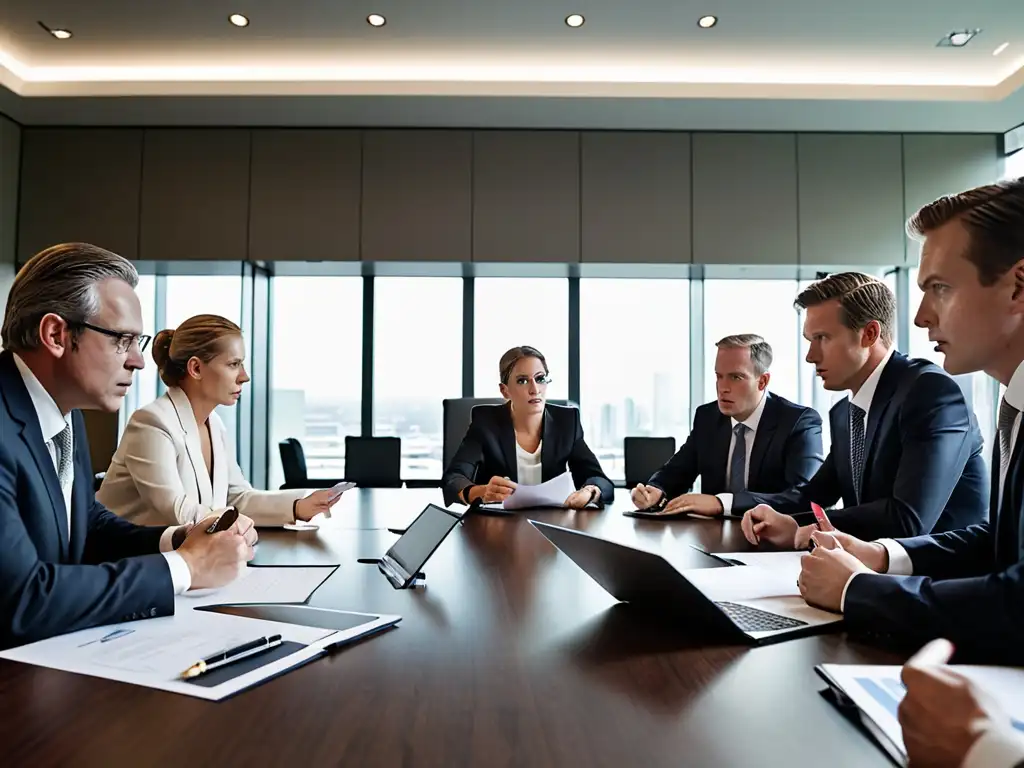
x=109, y=571
x=489, y=450
x=786, y=452
x=923, y=468
x=968, y=584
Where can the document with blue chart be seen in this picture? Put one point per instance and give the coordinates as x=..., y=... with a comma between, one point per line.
x=876, y=692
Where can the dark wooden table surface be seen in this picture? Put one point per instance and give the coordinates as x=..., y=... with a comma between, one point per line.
x=510, y=656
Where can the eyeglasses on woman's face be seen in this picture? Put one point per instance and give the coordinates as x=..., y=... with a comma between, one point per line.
x=541, y=379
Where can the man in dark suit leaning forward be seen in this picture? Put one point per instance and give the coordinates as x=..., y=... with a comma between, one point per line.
x=72, y=338
x=747, y=440
x=906, y=450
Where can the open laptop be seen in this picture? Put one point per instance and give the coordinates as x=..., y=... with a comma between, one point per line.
x=402, y=563
x=648, y=580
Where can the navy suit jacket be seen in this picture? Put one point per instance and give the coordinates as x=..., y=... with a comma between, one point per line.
x=489, y=450
x=968, y=584
x=923, y=466
x=785, y=454
x=108, y=571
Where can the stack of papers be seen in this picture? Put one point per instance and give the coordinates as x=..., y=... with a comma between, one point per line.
x=553, y=493
x=876, y=691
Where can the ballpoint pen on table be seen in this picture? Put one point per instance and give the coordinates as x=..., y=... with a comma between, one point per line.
x=231, y=655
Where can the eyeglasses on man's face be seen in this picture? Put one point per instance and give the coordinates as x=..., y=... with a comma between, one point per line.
x=541, y=379
x=123, y=341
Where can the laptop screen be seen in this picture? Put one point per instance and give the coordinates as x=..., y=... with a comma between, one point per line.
x=422, y=537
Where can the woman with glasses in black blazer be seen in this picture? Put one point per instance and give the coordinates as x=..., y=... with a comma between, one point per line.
x=524, y=441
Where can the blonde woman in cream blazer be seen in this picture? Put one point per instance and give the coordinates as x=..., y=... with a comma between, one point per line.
x=174, y=464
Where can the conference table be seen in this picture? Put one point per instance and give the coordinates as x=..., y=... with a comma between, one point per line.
x=509, y=656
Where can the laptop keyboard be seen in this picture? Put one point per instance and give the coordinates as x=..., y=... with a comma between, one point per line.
x=754, y=620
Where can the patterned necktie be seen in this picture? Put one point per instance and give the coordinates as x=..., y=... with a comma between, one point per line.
x=1007, y=417
x=857, y=447
x=65, y=455
x=738, y=462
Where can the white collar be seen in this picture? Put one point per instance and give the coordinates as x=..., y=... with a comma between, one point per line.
x=51, y=420
x=866, y=393
x=1014, y=394
x=754, y=418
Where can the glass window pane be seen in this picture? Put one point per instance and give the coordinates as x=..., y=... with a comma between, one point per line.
x=417, y=363
x=190, y=295
x=764, y=307
x=144, y=387
x=516, y=311
x=316, y=371
x=641, y=394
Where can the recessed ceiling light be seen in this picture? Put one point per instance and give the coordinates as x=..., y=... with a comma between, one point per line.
x=1000, y=49
x=574, y=20
x=707, y=22
x=958, y=39
x=238, y=20
x=61, y=34
x=376, y=20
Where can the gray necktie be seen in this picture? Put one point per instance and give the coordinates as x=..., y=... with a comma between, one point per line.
x=65, y=455
x=857, y=447
x=738, y=462
x=1007, y=417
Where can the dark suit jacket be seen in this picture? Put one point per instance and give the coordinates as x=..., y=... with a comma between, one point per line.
x=968, y=584
x=923, y=468
x=489, y=450
x=786, y=452
x=108, y=571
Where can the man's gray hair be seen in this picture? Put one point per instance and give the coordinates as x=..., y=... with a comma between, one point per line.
x=760, y=350
x=60, y=280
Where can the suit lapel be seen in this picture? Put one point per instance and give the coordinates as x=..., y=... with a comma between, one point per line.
x=20, y=406
x=549, y=451
x=82, y=496
x=720, y=452
x=193, y=446
x=1006, y=510
x=220, y=465
x=762, y=439
x=880, y=401
x=507, y=442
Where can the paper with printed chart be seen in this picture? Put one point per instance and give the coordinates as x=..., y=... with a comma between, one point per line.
x=877, y=693
x=553, y=493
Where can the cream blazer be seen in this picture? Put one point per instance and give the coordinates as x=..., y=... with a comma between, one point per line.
x=158, y=477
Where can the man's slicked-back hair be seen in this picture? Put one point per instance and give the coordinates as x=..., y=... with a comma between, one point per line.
x=862, y=298
x=760, y=350
x=60, y=280
x=993, y=216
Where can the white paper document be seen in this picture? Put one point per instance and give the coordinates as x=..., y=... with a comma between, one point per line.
x=877, y=692
x=553, y=493
x=784, y=563
x=154, y=652
x=261, y=584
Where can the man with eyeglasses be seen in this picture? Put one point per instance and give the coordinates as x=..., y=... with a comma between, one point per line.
x=72, y=338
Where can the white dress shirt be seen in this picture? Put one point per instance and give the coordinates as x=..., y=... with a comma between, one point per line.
x=750, y=423
x=528, y=465
x=51, y=423
x=863, y=397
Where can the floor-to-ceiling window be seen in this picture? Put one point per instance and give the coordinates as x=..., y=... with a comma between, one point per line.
x=634, y=363
x=316, y=369
x=516, y=311
x=417, y=363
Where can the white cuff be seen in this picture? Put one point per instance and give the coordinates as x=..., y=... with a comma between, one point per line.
x=726, y=499
x=842, y=600
x=181, y=576
x=167, y=538
x=899, y=561
x=999, y=747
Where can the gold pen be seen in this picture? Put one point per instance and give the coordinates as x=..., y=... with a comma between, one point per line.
x=231, y=655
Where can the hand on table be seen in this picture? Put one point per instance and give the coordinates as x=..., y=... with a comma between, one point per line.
x=215, y=559
x=646, y=496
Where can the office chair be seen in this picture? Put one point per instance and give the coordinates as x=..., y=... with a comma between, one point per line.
x=293, y=462
x=373, y=462
x=644, y=456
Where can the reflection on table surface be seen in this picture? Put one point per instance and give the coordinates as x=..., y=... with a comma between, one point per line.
x=510, y=655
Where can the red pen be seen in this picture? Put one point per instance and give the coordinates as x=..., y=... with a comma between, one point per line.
x=819, y=518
